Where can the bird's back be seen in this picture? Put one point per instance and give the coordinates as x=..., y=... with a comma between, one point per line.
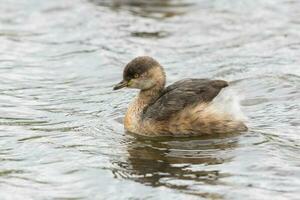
x=181, y=95
x=186, y=108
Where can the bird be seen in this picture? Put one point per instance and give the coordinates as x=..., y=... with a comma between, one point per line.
x=184, y=108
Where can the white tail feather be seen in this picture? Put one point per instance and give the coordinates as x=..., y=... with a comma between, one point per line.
x=227, y=103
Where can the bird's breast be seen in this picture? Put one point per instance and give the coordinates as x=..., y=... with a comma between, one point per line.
x=132, y=120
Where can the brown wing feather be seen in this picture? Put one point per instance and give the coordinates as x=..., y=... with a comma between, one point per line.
x=181, y=94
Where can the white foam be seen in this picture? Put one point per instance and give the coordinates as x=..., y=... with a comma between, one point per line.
x=227, y=102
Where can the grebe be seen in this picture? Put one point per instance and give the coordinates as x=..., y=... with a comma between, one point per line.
x=184, y=108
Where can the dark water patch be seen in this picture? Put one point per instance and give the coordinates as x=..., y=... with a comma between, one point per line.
x=151, y=9
x=150, y=34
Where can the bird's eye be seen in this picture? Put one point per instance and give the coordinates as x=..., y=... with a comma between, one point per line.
x=136, y=76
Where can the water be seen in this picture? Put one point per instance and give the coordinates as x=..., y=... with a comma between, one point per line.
x=61, y=133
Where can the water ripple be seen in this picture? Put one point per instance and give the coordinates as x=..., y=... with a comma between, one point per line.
x=61, y=124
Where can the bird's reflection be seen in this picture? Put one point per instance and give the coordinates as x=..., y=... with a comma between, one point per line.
x=180, y=164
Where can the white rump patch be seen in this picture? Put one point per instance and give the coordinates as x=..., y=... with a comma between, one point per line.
x=227, y=103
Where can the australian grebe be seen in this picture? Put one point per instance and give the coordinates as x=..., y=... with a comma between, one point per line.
x=184, y=108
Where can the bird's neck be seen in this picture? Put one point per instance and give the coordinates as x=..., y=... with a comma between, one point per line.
x=133, y=117
x=146, y=97
x=149, y=96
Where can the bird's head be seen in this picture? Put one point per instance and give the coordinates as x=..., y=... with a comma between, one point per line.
x=142, y=73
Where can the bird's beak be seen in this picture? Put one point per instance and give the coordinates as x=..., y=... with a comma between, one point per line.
x=121, y=85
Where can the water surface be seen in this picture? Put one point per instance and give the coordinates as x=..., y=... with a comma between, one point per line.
x=61, y=132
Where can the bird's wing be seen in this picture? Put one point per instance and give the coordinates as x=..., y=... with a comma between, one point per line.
x=182, y=94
